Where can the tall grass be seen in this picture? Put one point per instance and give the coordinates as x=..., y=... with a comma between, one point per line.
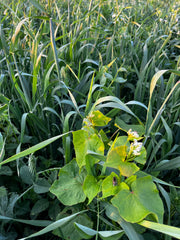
x=61, y=59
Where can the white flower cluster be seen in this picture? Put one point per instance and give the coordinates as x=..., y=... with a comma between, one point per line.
x=132, y=134
x=136, y=147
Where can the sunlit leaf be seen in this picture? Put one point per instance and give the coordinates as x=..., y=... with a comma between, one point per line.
x=142, y=200
x=116, y=159
x=111, y=185
x=98, y=119
x=171, y=231
x=83, y=143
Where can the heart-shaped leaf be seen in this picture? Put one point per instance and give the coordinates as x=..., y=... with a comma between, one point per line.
x=68, y=188
x=142, y=200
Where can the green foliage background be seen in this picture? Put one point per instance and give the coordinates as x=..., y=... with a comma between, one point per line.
x=59, y=60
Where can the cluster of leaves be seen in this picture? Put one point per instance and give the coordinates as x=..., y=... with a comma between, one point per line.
x=61, y=60
x=92, y=174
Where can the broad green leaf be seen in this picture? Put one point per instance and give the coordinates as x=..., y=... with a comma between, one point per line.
x=120, y=141
x=96, y=118
x=83, y=142
x=26, y=175
x=32, y=149
x=80, y=141
x=169, y=230
x=126, y=127
x=141, y=201
x=3, y=191
x=130, y=180
x=52, y=226
x=41, y=186
x=68, y=188
x=90, y=187
x=116, y=159
x=40, y=206
x=111, y=185
x=157, y=180
x=141, y=158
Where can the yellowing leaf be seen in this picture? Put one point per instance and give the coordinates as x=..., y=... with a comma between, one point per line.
x=98, y=119
x=83, y=142
x=116, y=159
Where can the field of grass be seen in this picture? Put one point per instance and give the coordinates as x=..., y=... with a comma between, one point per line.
x=59, y=61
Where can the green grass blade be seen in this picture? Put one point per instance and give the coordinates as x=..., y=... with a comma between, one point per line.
x=158, y=115
x=3, y=108
x=2, y=144
x=169, y=230
x=169, y=134
x=128, y=228
x=66, y=138
x=113, y=102
x=23, y=126
x=152, y=87
x=38, y=223
x=89, y=99
x=53, y=43
x=74, y=101
x=38, y=5
x=32, y=149
x=168, y=164
x=53, y=226
x=24, y=85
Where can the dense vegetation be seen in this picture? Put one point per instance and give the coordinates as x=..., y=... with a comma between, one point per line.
x=62, y=61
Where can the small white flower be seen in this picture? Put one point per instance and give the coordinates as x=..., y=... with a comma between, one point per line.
x=136, y=147
x=136, y=153
x=132, y=134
